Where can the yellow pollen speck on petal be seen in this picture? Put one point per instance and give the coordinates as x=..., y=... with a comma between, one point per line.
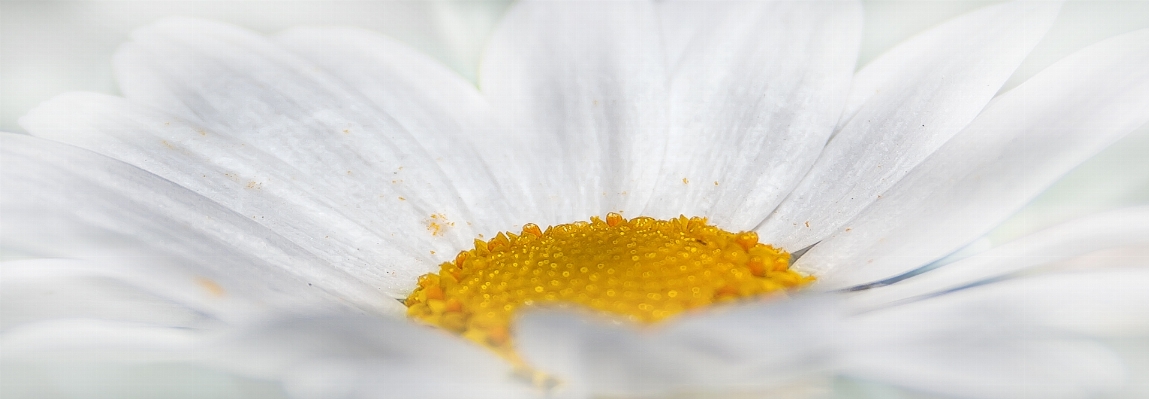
x=213, y=288
x=437, y=223
x=642, y=269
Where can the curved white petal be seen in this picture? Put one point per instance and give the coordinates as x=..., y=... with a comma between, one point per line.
x=360, y=357
x=441, y=110
x=1019, y=338
x=1079, y=237
x=1114, y=178
x=70, y=202
x=98, y=379
x=1024, y=141
x=43, y=289
x=904, y=106
x=100, y=339
x=755, y=90
x=1046, y=368
x=277, y=195
x=1101, y=303
x=583, y=85
x=236, y=83
x=755, y=348
x=1027, y=337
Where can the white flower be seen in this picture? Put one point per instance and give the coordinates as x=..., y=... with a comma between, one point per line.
x=258, y=204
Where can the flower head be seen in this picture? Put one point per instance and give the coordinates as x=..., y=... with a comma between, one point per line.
x=269, y=201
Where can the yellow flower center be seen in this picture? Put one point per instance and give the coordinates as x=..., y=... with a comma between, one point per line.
x=643, y=269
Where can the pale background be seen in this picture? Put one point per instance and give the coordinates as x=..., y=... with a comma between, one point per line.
x=51, y=47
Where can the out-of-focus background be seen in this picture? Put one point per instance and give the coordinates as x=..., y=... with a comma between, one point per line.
x=51, y=47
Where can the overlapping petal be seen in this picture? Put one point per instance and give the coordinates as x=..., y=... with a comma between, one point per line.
x=902, y=107
x=584, y=85
x=134, y=222
x=755, y=89
x=1018, y=146
x=364, y=357
x=322, y=170
x=1115, y=229
x=240, y=84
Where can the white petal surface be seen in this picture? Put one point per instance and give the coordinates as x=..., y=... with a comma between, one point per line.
x=435, y=104
x=77, y=378
x=236, y=83
x=1079, y=237
x=904, y=106
x=248, y=181
x=583, y=84
x=1102, y=303
x=993, y=369
x=43, y=289
x=69, y=202
x=64, y=339
x=755, y=90
x=756, y=348
x=1114, y=178
x=1022, y=338
x=366, y=358
x=1023, y=142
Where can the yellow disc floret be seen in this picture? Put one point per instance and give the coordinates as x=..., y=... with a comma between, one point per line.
x=642, y=269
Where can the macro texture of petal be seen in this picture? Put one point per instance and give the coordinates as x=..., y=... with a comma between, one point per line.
x=96, y=339
x=755, y=90
x=257, y=207
x=248, y=181
x=1018, y=146
x=584, y=85
x=760, y=348
x=446, y=113
x=1020, y=338
x=239, y=84
x=1114, y=229
x=35, y=290
x=137, y=222
x=364, y=357
x=902, y=107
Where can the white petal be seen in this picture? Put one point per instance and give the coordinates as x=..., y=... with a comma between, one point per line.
x=1115, y=178
x=240, y=84
x=440, y=109
x=1104, y=303
x=755, y=90
x=95, y=379
x=750, y=348
x=1030, y=337
x=1023, y=142
x=366, y=358
x=1079, y=237
x=99, y=339
x=41, y=289
x=583, y=84
x=992, y=370
x=75, y=203
x=309, y=212
x=907, y=104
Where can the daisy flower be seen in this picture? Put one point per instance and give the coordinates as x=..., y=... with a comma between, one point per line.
x=334, y=213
